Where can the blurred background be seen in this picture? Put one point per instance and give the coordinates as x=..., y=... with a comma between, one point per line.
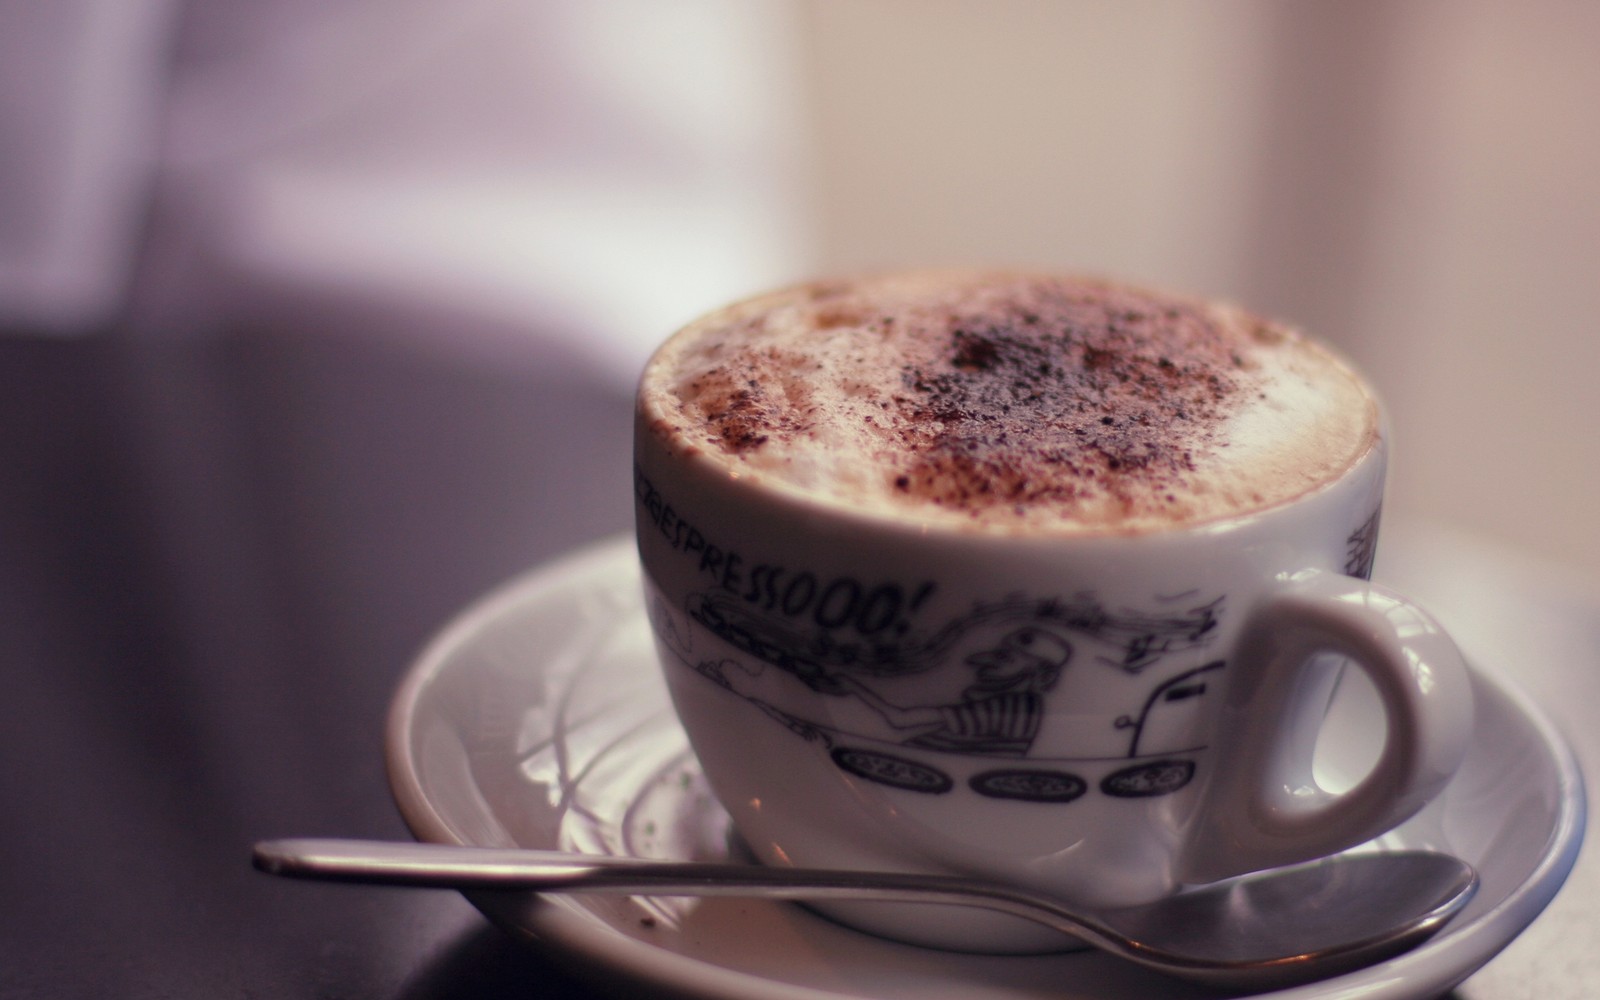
x=318, y=318
x=327, y=312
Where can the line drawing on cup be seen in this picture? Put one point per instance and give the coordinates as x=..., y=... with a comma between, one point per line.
x=999, y=713
x=1132, y=641
x=998, y=666
x=1174, y=691
x=1361, y=548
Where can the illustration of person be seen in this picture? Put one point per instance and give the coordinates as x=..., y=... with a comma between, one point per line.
x=999, y=713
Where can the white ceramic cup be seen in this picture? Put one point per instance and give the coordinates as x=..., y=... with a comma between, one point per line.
x=1122, y=715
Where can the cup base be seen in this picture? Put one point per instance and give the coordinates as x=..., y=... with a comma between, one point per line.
x=965, y=929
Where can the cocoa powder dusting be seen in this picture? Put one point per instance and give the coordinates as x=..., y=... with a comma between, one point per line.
x=1052, y=394
x=1011, y=393
x=743, y=412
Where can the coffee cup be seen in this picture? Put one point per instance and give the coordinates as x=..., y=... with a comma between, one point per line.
x=1027, y=577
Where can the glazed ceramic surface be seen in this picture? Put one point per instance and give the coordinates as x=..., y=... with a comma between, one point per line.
x=1104, y=717
x=539, y=719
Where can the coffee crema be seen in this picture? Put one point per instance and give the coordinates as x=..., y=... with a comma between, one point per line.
x=1011, y=401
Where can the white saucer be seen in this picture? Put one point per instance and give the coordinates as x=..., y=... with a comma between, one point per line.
x=537, y=719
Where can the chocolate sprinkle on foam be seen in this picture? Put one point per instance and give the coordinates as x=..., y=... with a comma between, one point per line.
x=999, y=398
x=1061, y=395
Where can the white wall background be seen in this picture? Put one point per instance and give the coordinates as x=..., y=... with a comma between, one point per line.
x=1416, y=180
x=372, y=279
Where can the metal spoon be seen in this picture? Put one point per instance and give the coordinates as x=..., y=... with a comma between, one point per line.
x=1260, y=931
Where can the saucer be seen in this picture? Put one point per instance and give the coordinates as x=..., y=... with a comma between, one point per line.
x=538, y=719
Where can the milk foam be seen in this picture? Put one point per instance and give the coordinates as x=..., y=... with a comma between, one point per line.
x=1009, y=401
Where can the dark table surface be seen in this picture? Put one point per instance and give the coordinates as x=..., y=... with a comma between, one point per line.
x=216, y=560
x=200, y=660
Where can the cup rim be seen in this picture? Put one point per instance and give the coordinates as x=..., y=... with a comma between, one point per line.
x=799, y=501
x=657, y=427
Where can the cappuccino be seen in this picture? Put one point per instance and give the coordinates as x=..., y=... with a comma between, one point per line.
x=1008, y=401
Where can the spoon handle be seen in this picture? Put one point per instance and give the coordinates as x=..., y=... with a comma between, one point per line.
x=444, y=866
x=1276, y=928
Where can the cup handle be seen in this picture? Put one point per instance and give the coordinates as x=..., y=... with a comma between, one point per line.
x=1263, y=807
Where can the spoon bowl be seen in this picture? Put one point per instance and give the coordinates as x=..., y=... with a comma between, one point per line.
x=1261, y=931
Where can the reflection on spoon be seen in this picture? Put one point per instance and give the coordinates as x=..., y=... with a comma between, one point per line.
x=1260, y=931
